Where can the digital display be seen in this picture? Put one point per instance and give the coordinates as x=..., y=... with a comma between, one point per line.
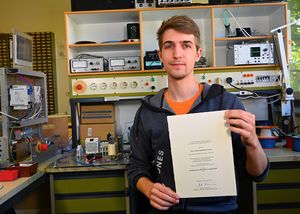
x=24, y=48
x=117, y=62
x=255, y=51
x=153, y=63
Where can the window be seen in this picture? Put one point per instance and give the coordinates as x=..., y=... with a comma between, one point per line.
x=294, y=6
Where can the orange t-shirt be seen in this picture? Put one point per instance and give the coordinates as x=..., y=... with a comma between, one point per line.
x=185, y=106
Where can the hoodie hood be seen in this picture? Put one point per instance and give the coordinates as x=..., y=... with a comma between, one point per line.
x=157, y=103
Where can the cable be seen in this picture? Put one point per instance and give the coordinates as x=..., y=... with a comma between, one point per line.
x=296, y=127
x=87, y=56
x=1, y=112
x=25, y=80
x=242, y=89
x=37, y=112
x=245, y=33
x=260, y=97
x=10, y=145
x=257, y=96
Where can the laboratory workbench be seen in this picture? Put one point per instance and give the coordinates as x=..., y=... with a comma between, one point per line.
x=280, y=192
x=282, y=154
x=13, y=191
x=77, y=187
x=69, y=163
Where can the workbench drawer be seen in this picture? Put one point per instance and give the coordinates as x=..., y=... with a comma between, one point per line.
x=91, y=205
x=280, y=192
x=279, y=211
x=283, y=176
x=273, y=196
x=89, y=183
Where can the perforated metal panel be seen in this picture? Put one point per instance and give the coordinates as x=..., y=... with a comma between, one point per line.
x=5, y=60
x=43, y=60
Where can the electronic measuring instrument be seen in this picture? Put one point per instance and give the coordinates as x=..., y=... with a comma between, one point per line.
x=124, y=63
x=152, y=61
x=145, y=3
x=162, y=3
x=251, y=54
x=87, y=65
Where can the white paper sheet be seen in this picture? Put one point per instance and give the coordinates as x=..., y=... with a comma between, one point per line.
x=202, y=155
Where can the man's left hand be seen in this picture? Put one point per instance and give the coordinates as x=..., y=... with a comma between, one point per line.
x=243, y=123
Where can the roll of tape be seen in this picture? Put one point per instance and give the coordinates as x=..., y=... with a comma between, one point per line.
x=38, y=147
x=266, y=132
x=111, y=149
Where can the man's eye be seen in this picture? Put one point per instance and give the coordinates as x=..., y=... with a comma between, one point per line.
x=167, y=46
x=186, y=46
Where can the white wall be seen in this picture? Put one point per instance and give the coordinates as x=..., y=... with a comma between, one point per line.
x=41, y=16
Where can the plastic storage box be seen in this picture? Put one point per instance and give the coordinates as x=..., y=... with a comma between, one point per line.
x=8, y=175
x=25, y=169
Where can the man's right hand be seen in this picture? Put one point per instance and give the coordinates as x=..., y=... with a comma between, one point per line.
x=160, y=196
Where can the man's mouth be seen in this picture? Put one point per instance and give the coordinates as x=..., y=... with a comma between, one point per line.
x=177, y=63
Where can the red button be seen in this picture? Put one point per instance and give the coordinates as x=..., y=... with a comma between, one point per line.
x=43, y=147
x=78, y=87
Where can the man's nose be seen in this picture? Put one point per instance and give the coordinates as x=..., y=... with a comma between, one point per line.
x=177, y=52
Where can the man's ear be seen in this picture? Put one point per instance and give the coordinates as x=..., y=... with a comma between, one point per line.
x=159, y=54
x=198, y=54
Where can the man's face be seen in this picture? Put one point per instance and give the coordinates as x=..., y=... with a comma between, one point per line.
x=178, y=53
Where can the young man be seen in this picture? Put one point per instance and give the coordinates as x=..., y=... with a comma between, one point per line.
x=150, y=169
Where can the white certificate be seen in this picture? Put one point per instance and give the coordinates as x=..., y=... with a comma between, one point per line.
x=202, y=155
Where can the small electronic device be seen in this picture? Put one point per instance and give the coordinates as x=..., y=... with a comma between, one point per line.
x=22, y=95
x=239, y=32
x=19, y=97
x=92, y=145
x=22, y=46
x=163, y=3
x=83, y=5
x=87, y=65
x=144, y=3
x=124, y=63
x=133, y=31
x=251, y=54
x=151, y=60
